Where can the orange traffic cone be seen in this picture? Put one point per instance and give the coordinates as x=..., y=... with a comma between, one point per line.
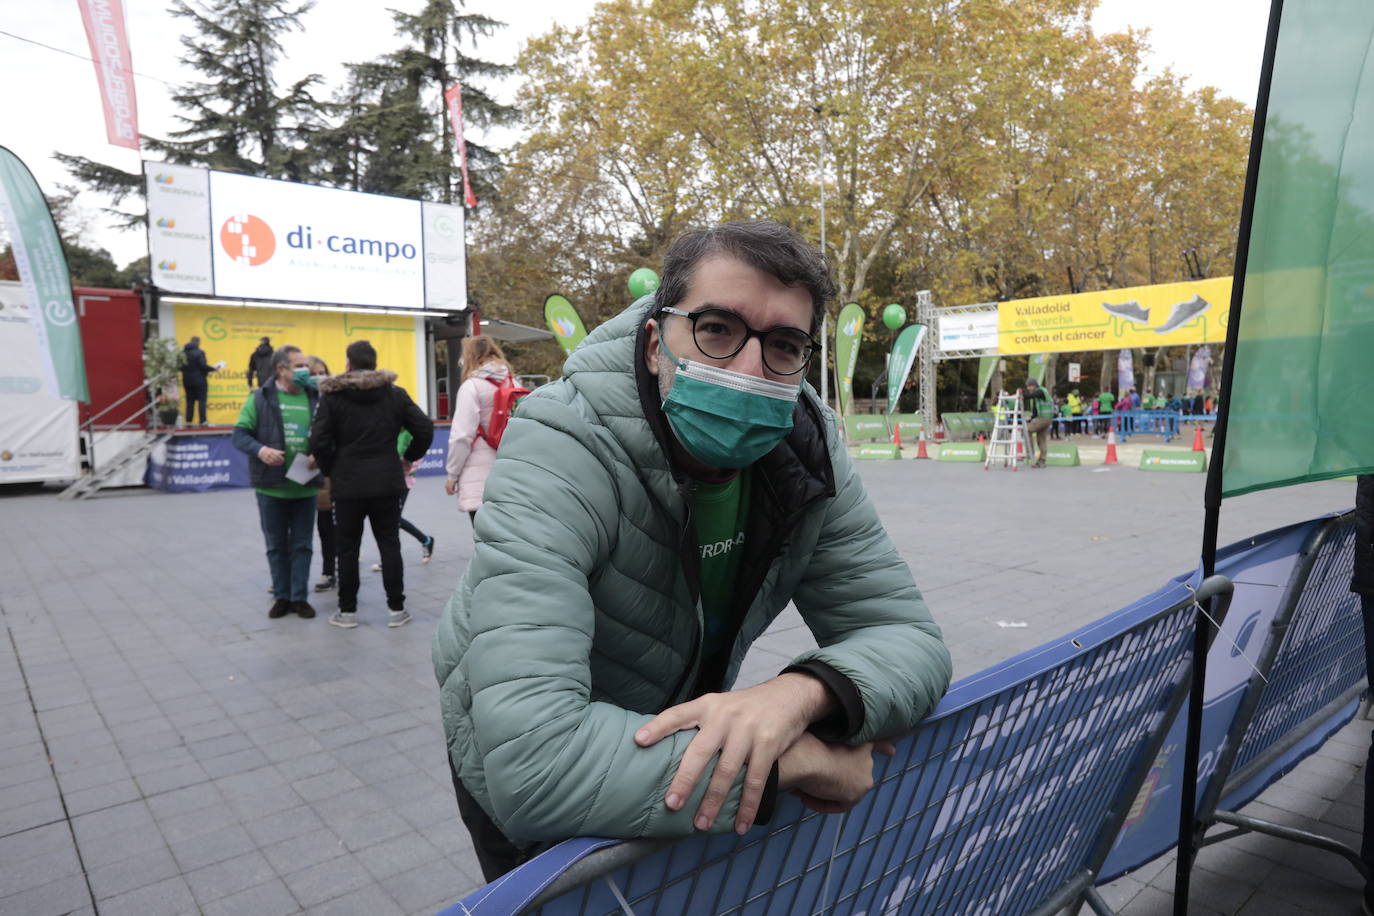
x=1111, y=446
x=897, y=435
x=921, y=445
x=1197, y=439
x=982, y=439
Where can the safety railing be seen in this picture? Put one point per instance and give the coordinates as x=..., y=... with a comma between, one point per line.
x=1005, y=801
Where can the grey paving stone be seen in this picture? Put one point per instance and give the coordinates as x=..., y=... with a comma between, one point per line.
x=223, y=879
x=308, y=765
x=165, y=898
x=209, y=848
x=56, y=898
x=326, y=785
x=27, y=816
x=268, y=801
x=271, y=898
x=243, y=761
x=49, y=839
x=283, y=825
x=35, y=871
x=429, y=887
x=98, y=798
x=304, y=851
x=329, y=879
x=115, y=847
x=133, y=872
x=371, y=829
x=177, y=828
x=364, y=901
x=189, y=798
x=398, y=854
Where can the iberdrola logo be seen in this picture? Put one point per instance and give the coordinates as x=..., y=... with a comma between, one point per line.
x=248, y=240
x=165, y=223
x=564, y=327
x=853, y=327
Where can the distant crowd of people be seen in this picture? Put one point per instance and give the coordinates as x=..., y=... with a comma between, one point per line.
x=327, y=453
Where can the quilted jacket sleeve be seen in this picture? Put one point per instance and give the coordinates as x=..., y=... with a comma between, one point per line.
x=868, y=617
x=556, y=763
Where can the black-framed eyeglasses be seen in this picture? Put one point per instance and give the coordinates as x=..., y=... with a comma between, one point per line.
x=720, y=334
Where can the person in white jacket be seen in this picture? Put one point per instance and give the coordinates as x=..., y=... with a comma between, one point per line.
x=470, y=456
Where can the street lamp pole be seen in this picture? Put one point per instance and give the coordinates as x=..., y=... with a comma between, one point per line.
x=825, y=316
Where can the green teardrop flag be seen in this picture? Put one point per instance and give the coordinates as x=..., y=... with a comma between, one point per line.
x=1298, y=397
x=43, y=271
x=986, y=365
x=899, y=365
x=1035, y=367
x=564, y=321
x=849, y=329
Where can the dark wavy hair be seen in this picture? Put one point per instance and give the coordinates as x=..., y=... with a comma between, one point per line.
x=765, y=245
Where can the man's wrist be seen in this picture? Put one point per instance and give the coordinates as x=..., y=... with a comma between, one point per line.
x=814, y=699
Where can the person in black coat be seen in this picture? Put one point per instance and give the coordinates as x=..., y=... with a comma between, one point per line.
x=260, y=364
x=1362, y=584
x=195, y=380
x=353, y=438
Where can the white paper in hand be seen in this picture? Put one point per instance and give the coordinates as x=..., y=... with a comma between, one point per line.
x=301, y=471
x=221, y=364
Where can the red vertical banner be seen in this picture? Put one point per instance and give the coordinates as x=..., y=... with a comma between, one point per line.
x=114, y=69
x=453, y=98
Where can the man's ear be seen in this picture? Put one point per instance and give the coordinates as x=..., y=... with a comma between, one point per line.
x=651, y=348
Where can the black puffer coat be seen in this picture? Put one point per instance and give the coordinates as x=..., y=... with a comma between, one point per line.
x=1363, y=580
x=195, y=370
x=353, y=436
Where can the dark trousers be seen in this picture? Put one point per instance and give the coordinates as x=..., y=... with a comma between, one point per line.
x=384, y=513
x=495, y=853
x=406, y=526
x=324, y=524
x=286, y=529
x=196, y=395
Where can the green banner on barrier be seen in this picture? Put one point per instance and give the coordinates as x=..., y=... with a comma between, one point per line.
x=963, y=451
x=849, y=330
x=1169, y=459
x=909, y=424
x=866, y=426
x=1062, y=456
x=564, y=321
x=879, y=450
x=42, y=267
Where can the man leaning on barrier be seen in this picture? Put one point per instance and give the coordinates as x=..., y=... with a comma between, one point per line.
x=645, y=520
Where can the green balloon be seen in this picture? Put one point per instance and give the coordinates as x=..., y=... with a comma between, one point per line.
x=643, y=282
x=894, y=316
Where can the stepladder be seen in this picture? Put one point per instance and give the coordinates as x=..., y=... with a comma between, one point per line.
x=1010, y=445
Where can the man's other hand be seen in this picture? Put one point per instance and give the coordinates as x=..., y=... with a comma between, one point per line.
x=271, y=456
x=829, y=778
x=747, y=728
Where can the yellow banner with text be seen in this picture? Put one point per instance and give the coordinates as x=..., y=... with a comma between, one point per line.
x=1166, y=314
x=232, y=333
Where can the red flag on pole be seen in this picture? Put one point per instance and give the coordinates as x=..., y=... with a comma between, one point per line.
x=114, y=69
x=453, y=98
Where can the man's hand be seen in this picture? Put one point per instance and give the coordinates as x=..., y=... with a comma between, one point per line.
x=829, y=778
x=450, y=487
x=407, y=466
x=271, y=456
x=310, y=462
x=750, y=727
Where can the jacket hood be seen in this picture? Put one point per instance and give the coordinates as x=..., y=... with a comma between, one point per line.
x=263, y=350
x=359, y=385
x=493, y=370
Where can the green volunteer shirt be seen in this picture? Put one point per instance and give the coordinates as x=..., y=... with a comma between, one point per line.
x=721, y=511
x=295, y=421
x=1105, y=401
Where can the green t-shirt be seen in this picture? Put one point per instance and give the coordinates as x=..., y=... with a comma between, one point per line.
x=721, y=511
x=1105, y=402
x=295, y=421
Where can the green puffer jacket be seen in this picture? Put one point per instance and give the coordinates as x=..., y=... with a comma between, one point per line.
x=578, y=620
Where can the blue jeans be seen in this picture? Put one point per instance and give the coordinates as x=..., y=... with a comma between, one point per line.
x=288, y=527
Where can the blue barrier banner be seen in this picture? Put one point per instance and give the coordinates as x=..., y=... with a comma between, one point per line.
x=432, y=465
x=1260, y=568
x=992, y=806
x=194, y=464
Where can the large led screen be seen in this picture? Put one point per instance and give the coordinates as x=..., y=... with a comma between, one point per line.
x=240, y=237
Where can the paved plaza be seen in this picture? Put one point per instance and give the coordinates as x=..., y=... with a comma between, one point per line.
x=166, y=748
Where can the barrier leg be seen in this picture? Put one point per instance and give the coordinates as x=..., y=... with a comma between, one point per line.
x=1307, y=838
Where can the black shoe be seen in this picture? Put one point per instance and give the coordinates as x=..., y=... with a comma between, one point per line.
x=280, y=608
x=303, y=609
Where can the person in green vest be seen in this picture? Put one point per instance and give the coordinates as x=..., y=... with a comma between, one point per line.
x=1039, y=412
x=1106, y=402
x=272, y=430
x=645, y=519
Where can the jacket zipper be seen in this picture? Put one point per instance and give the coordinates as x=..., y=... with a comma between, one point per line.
x=692, y=569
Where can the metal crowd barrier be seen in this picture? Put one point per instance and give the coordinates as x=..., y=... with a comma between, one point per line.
x=1154, y=422
x=1006, y=801
x=1311, y=675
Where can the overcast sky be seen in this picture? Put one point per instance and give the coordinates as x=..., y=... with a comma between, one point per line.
x=52, y=103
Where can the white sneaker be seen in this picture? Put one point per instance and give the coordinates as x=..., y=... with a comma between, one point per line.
x=376, y=567
x=343, y=619
x=398, y=619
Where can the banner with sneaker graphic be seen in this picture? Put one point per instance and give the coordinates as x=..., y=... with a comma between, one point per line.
x=1165, y=314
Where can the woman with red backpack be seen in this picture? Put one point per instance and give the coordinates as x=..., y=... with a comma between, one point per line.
x=483, y=404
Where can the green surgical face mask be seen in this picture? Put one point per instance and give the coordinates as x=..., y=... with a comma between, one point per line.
x=303, y=378
x=727, y=419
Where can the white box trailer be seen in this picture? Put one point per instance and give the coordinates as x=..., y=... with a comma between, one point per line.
x=39, y=433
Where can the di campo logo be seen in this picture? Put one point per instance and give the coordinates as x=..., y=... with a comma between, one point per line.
x=248, y=240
